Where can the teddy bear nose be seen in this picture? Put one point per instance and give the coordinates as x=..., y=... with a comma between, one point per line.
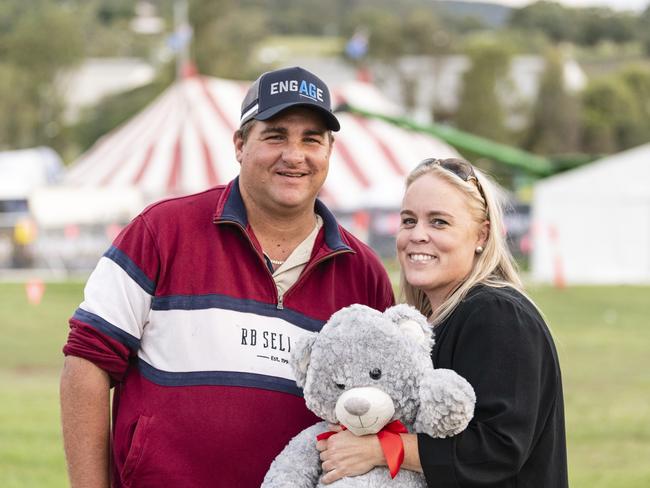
x=357, y=406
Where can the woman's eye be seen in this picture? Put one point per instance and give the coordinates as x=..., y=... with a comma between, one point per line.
x=408, y=221
x=439, y=222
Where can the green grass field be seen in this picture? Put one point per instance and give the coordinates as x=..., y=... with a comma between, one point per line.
x=602, y=334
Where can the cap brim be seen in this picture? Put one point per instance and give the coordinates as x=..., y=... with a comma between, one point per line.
x=331, y=121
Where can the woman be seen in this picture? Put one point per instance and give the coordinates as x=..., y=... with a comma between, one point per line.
x=457, y=270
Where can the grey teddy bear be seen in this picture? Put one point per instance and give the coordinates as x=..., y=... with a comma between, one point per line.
x=363, y=370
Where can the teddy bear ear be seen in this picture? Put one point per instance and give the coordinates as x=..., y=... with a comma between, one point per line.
x=301, y=356
x=346, y=314
x=414, y=330
x=412, y=323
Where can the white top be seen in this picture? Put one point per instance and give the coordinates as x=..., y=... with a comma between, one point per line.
x=288, y=272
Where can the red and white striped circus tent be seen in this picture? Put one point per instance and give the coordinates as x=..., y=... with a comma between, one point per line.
x=182, y=143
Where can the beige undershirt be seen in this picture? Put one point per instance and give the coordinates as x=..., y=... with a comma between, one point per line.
x=288, y=272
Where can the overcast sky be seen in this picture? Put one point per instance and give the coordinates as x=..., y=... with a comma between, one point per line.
x=614, y=4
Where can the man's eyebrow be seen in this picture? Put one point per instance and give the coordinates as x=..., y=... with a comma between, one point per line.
x=284, y=131
x=274, y=130
x=314, y=132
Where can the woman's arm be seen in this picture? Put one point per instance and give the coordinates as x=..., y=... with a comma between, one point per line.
x=501, y=346
x=503, y=350
x=411, y=454
x=345, y=454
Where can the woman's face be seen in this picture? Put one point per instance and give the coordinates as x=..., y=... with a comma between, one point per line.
x=438, y=237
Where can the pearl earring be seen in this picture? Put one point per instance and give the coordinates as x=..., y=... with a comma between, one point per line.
x=479, y=249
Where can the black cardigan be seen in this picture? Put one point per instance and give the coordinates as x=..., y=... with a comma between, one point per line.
x=498, y=341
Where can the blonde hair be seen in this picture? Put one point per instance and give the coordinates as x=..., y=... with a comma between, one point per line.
x=494, y=266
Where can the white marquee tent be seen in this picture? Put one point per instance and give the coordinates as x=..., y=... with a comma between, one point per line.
x=592, y=224
x=182, y=143
x=24, y=170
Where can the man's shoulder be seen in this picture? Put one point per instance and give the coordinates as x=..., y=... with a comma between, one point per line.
x=184, y=206
x=365, y=273
x=361, y=249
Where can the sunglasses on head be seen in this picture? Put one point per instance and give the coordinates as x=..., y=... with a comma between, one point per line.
x=459, y=167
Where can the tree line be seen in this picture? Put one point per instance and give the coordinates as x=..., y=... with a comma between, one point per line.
x=42, y=39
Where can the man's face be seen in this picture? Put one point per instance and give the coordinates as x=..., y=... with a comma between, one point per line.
x=284, y=161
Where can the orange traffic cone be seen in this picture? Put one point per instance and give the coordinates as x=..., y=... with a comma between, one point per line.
x=35, y=289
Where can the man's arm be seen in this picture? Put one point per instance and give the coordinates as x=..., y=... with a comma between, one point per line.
x=86, y=422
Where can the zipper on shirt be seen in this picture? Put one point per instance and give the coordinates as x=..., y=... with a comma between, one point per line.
x=307, y=271
x=280, y=300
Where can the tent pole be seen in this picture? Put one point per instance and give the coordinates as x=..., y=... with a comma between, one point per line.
x=183, y=30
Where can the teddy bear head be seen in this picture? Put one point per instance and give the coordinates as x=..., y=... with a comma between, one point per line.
x=366, y=368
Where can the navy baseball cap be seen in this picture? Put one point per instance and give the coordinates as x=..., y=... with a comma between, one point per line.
x=275, y=91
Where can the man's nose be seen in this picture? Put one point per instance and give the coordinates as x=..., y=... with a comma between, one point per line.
x=293, y=153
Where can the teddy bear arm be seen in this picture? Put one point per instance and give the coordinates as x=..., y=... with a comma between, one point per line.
x=298, y=465
x=446, y=404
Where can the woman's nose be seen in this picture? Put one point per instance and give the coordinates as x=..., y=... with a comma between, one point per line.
x=418, y=233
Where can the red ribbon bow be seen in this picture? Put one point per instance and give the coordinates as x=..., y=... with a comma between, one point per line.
x=390, y=441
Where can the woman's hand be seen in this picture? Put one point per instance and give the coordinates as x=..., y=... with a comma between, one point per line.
x=345, y=454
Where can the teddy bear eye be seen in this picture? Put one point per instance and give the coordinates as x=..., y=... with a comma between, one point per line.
x=375, y=373
x=340, y=386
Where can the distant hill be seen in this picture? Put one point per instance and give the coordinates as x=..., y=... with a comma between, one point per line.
x=490, y=14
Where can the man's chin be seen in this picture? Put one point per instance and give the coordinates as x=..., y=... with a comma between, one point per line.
x=295, y=201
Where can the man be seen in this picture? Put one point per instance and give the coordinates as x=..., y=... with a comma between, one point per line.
x=192, y=313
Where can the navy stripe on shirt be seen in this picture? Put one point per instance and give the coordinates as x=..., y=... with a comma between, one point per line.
x=217, y=378
x=123, y=261
x=203, y=302
x=107, y=328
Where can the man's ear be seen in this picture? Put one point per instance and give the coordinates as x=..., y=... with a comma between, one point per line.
x=238, y=142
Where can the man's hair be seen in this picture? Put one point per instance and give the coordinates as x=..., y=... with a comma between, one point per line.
x=245, y=130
